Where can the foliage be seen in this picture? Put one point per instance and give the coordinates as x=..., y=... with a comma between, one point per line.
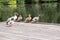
x=47, y=11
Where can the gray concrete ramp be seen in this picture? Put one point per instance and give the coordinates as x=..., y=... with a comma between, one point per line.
x=29, y=31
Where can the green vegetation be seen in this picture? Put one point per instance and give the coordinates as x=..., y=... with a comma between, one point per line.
x=48, y=11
